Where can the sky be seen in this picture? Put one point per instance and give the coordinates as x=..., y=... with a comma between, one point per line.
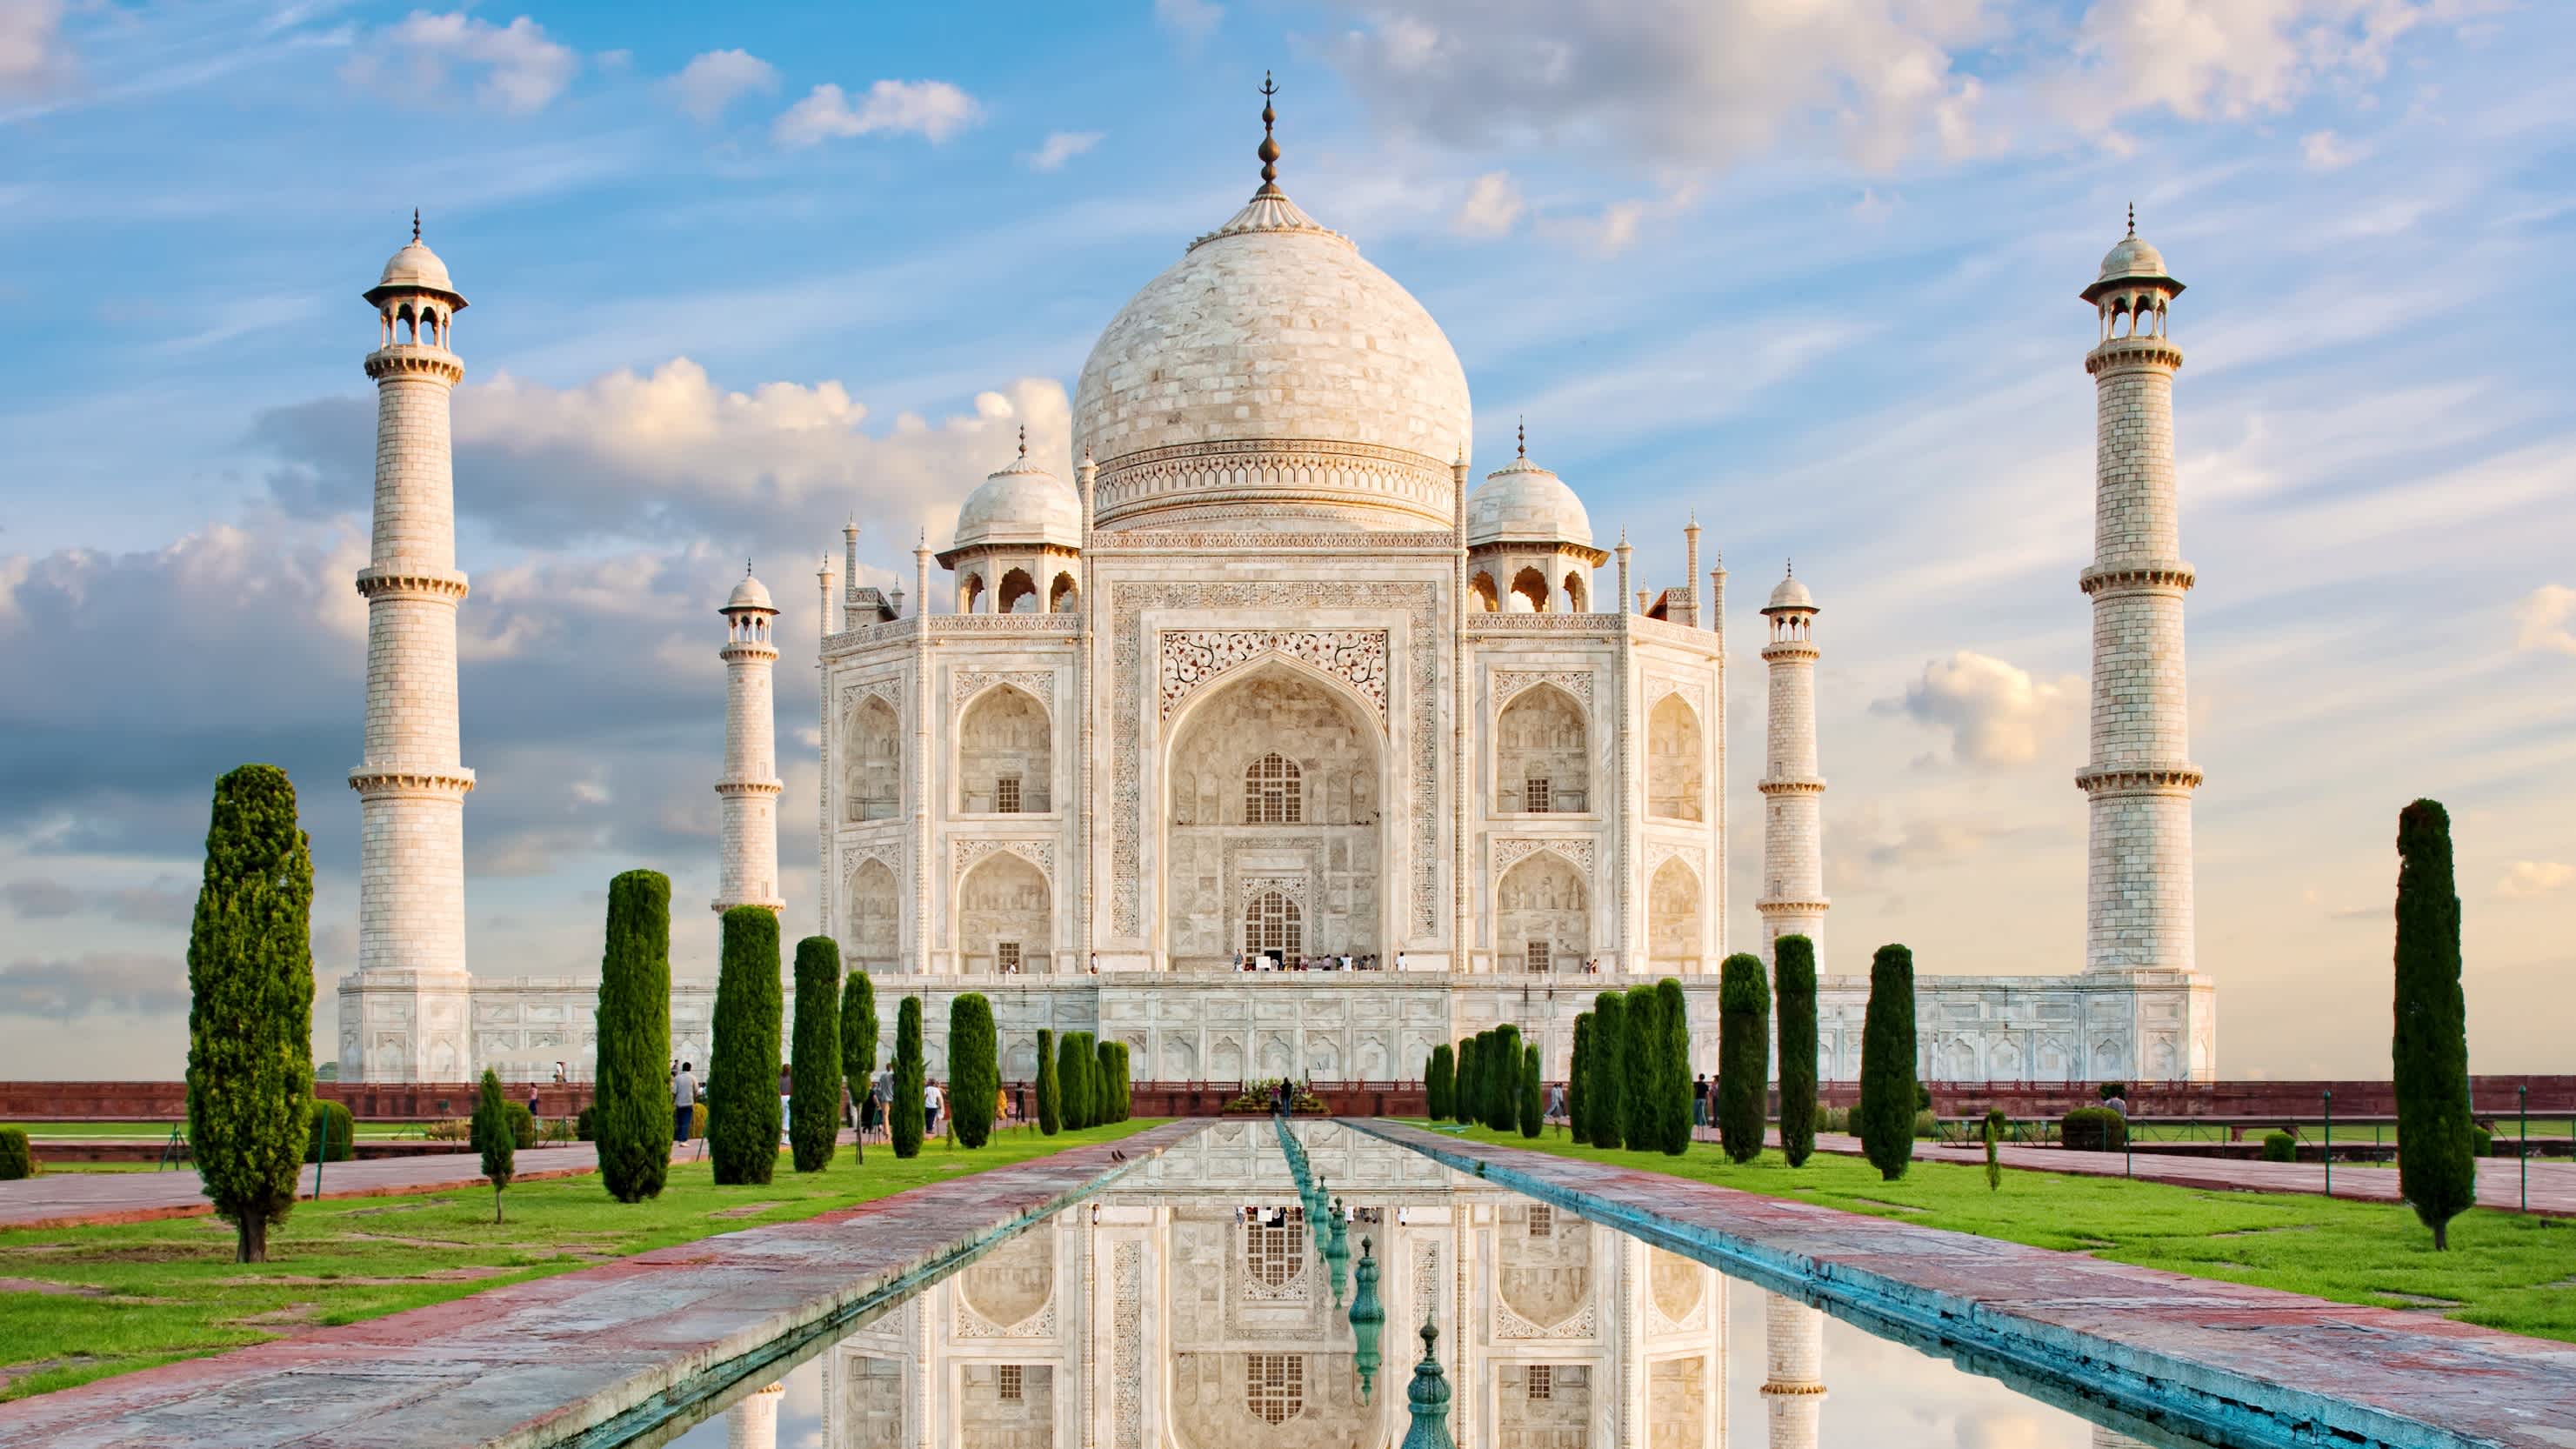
x=1806, y=270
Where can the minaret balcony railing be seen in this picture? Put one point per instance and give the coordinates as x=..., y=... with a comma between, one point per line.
x=2132, y=352
x=2144, y=576
x=409, y=359
x=378, y=781
x=1790, y=785
x=396, y=582
x=2166, y=779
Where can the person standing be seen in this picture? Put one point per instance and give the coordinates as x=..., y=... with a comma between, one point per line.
x=1699, y=1104
x=930, y=1104
x=684, y=1102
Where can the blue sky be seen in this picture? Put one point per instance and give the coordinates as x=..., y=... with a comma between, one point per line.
x=1807, y=270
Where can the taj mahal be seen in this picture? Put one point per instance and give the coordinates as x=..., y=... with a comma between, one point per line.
x=1275, y=676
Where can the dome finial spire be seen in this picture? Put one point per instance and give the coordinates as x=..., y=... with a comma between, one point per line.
x=1269, y=152
x=415, y=224
x=1024, y=442
x=2133, y=218
x=1523, y=433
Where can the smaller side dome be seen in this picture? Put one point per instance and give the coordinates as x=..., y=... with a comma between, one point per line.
x=751, y=593
x=1523, y=502
x=415, y=268
x=2131, y=262
x=1023, y=503
x=1790, y=595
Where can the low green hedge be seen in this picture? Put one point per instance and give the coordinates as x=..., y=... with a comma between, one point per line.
x=582, y=1126
x=2481, y=1141
x=343, y=1133
x=17, y=1159
x=1926, y=1125
x=2093, y=1129
x=2280, y=1147
x=523, y=1126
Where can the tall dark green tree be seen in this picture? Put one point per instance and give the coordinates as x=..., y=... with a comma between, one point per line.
x=974, y=1068
x=1609, y=1084
x=1073, y=1078
x=742, y=1079
x=1462, y=1093
x=1104, y=1076
x=2437, y=1168
x=1743, y=1055
x=1124, y=1082
x=1050, y=1087
x=1885, y=1116
x=631, y=1117
x=1502, y=1085
x=250, y=1006
x=1794, y=973
x=1672, y=1012
x=1532, y=1108
x=814, y=1068
x=1436, y=1080
x=494, y=1135
x=903, y=1114
x=859, y=1028
x=1639, y=1120
x=1578, y=1087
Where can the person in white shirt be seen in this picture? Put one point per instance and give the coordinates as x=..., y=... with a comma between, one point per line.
x=930, y=1102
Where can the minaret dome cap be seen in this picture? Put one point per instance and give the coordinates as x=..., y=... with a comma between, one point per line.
x=1791, y=595
x=2132, y=262
x=415, y=268
x=749, y=596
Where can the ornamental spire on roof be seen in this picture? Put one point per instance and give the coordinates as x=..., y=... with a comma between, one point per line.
x=1269, y=152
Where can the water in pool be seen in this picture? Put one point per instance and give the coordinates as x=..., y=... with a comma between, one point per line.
x=1195, y=1305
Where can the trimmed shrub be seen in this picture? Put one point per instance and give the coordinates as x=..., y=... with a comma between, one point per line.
x=814, y=1071
x=1436, y=1080
x=2430, y=1046
x=1885, y=1117
x=1463, y=1091
x=904, y=1112
x=1833, y=1119
x=742, y=1076
x=859, y=1028
x=1794, y=977
x=1609, y=1084
x=1532, y=1107
x=2481, y=1142
x=1502, y=1084
x=698, y=1121
x=17, y=1158
x=1926, y=1125
x=1642, y=1065
x=974, y=1069
x=2093, y=1129
x=631, y=1114
x=2280, y=1147
x=2107, y=1090
x=1126, y=1084
x=250, y=1006
x=1050, y=1087
x=495, y=1136
x=1994, y=1135
x=342, y=1132
x=1744, y=1055
x=1674, y=1059
x=1104, y=1081
x=585, y=1128
x=1073, y=1078
x=1578, y=1074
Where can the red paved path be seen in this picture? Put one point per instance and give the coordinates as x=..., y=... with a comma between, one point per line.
x=61, y=1199
x=2324, y=1372
x=534, y=1363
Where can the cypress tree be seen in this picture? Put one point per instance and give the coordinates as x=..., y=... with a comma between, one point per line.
x=814, y=1070
x=1050, y=1087
x=1503, y=1085
x=1640, y=1124
x=1072, y=1060
x=1578, y=1089
x=1462, y=1093
x=1795, y=970
x=493, y=1134
x=1104, y=1068
x=742, y=1078
x=1673, y=1009
x=250, y=1006
x=1531, y=1107
x=631, y=1111
x=974, y=1068
x=2437, y=1167
x=904, y=1113
x=1609, y=1085
x=1126, y=1082
x=1744, y=1055
x=1885, y=1116
x=859, y=1029
x=1436, y=1079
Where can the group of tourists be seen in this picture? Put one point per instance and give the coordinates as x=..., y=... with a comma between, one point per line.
x=1280, y=961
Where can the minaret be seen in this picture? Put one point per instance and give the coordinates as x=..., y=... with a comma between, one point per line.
x=752, y=1423
x=1793, y=840
x=2140, y=778
x=1793, y=1389
x=850, y=615
x=1690, y=571
x=747, y=872
x=411, y=786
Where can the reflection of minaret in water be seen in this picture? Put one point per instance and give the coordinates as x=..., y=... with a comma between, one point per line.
x=753, y=1423
x=1793, y=1389
x=2114, y=1439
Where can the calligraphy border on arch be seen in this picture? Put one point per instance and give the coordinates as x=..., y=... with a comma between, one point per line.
x=965, y=854
x=1659, y=851
x=1038, y=684
x=1577, y=850
x=1510, y=682
x=1128, y=601
x=1188, y=660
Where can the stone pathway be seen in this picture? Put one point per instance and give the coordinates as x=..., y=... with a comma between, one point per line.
x=66, y=1199
x=2198, y=1356
x=535, y=1363
x=2553, y=1184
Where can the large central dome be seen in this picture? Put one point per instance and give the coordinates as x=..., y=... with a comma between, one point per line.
x=1272, y=379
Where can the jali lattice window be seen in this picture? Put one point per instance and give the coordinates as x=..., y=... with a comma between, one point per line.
x=1274, y=1386
x=1272, y=1254
x=1274, y=924
x=1539, y=956
x=1006, y=795
x=1542, y=1220
x=1536, y=795
x=1007, y=1379
x=1271, y=792
x=1542, y=1381
x=1006, y=956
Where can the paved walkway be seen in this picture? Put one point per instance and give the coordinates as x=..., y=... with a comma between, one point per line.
x=536, y=1363
x=65, y=1199
x=2553, y=1184
x=2201, y=1357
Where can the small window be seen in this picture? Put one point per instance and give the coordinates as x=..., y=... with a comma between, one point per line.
x=1006, y=795
x=1536, y=796
x=1274, y=1254
x=1007, y=1379
x=1542, y=1221
x=1542, y=1377
x=1272, y=792
x=1006, y=957
x=1538, y=956
x=1274, y=1386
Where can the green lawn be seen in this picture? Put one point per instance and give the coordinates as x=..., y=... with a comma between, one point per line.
x=82, y=1303
x=2504, y=1270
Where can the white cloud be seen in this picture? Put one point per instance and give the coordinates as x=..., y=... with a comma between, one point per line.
x=522, y=71
x=125, y=983
x=32, y=57
x=2326, y=151
x=2527, y=878
x=935, y=110
x=1492, y=208
x=2547, y=616
x=716, y=79
x=2223, y=59
x=1193, y=19
x=1997, y=714
x=1060, y=147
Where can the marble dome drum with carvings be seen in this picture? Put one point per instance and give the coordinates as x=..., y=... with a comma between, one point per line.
x=1272, y=379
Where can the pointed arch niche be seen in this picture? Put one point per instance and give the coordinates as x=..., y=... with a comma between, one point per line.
x=1542, y=915
x=1005, y=755
x=1673, y=750
x=1673, y=918
x=1004, y=910
x=872, y=781
x=1542, y=754
x=875, y=919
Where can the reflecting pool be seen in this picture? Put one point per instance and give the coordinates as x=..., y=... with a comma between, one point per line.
x=1205, y=1302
